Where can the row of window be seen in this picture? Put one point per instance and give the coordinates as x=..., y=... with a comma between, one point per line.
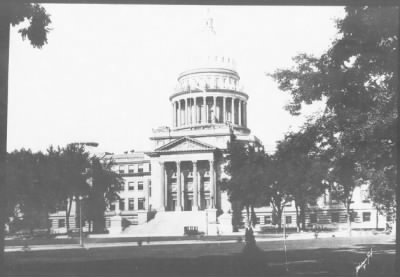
x=61, y=223
x=131, y=185
x=364, y=199
x=268, y=219
x=131, y=204
x=218, y=82
x=366, y=217
x=134, y=168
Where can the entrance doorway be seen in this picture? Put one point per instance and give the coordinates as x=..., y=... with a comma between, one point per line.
x=188, y=204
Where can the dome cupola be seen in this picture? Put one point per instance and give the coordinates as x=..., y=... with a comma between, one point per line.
x=208, y=92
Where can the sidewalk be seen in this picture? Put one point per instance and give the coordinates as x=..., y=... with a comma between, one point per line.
x=90, y=245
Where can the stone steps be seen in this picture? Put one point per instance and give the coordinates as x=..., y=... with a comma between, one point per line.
x=170, y=223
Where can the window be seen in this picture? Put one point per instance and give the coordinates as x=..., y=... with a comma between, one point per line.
x=112, y=207
x=353, y=216
x=366, y=216
x=131, y=186
x=288, y=219
x=313, y=218
x=141, y=204
x=258, y=220
x=131, y=169
x=365, y=195
x=121, y=169
x=326, y=199
x=122, y=204
x=334, y=197
x=140, y=185
x=149, y=184
x=335, y=217
x=140, y=168
x=267, y=219
x=61, y=223
x=131, y=204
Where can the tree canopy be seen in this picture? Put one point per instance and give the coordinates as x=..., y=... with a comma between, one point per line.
x=39, y=21
x=40, y=183
x=357, y=79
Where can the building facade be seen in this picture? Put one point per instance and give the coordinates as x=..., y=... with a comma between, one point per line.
x=175, y=185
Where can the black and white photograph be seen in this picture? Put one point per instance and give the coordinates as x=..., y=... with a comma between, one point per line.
x=182, y=139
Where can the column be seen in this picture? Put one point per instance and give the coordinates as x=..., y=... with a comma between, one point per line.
x=240, y=112
x=194, y=112
x=224, y=110
x=204, y=119
x=178, y=114
x=233, y=111
x=195, y=188
x=187, y=112
x=178, y=187
x=244, y=113
x=148, y=194
x=212, y=184
x=214, y=113
x=166, y=189
x=173, y=114
x=162, y=186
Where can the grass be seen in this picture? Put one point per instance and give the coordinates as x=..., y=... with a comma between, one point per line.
x=320, y=257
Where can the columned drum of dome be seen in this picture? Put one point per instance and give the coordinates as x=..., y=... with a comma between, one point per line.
x=208, y=96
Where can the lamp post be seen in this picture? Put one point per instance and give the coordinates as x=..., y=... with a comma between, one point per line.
x=80, y=222
x=80, y=198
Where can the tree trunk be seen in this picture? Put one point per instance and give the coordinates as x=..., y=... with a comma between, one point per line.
x=279, y=215
x=98, y=223
x=297, y=217
x=303, y=217
x=349, y=219
x=248, y=219
x=4, y=60
x=253, y=217
x=68, y=212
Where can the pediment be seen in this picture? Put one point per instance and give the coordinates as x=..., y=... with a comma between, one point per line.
x=185, y=144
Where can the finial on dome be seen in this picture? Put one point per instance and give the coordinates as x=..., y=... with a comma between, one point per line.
x=210, y=22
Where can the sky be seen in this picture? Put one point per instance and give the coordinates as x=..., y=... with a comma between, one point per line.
x=107, y=71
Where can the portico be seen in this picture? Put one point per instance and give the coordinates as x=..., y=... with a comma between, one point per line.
x=188, y=185
x=187, y=175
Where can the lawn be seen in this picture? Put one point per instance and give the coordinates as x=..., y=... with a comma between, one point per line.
x=317, y=257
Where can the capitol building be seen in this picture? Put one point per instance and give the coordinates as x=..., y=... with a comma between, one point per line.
x=175, y=185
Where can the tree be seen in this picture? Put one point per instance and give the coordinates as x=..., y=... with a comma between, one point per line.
x=276, y=189
x=14, y=13
x=29, y=198
x=38, y=18
x=74, y=165
x=357, y=77
x=303, y=169
x=245, y=167
x=104, y=190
